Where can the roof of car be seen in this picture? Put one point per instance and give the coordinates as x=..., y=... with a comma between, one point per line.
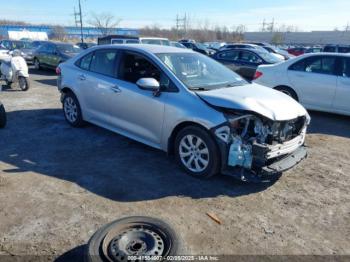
x=326, y=53
x=154, y=49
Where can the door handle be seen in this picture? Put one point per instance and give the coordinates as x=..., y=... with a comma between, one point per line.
x=302, y=76
x=82, y=77
x=116, y=89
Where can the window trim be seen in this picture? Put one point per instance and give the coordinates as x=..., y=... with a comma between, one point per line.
x=335, y=72
x=251, y=52
x=115, y=62
x=132, y=52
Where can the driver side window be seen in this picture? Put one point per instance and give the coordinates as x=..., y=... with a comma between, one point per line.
x=134, y=67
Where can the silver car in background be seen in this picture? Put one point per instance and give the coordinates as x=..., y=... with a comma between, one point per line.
x=188, y=105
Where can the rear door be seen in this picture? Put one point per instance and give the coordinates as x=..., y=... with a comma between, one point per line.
x=342, y=97
x=229, y=59
x=97, y=82
x=314, y=79
x=249, y=62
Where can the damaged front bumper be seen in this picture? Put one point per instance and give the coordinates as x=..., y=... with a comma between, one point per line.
x=266, y=162
x=270, y=171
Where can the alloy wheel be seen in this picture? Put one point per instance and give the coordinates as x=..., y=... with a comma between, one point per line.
x=70, y=109
x=194, y=153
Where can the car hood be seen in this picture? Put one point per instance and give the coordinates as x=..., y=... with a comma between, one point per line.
x=255, y=98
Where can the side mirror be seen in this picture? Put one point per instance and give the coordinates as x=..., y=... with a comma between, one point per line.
x=148, y=84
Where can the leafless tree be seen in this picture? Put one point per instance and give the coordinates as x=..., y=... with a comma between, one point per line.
x=58, y=33
x=104, y=22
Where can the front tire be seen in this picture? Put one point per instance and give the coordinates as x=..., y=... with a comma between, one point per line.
x=3, y=118
x=197, y=152
x=37, y=65
x=23, y=83
x=72, y=110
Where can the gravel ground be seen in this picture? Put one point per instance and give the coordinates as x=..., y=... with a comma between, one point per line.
x=58, y=185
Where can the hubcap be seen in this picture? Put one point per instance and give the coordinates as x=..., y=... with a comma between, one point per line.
x=70, y=109
x=194, y=153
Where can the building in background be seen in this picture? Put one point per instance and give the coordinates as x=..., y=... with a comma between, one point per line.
x=9, y=31
x=300, y=38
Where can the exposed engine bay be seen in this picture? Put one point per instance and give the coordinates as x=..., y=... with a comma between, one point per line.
x=255, y=141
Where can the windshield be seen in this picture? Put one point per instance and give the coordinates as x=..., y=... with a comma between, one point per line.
x=66, y=48
x=200, y=46
x=199, y=72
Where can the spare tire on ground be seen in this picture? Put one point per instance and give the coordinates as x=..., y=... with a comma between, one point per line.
x=130, y=239
x=2, y=116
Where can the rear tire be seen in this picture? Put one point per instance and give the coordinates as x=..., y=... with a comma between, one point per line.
x=288, y=91
x=72, y=110
x=197, y=153
x=3, y=118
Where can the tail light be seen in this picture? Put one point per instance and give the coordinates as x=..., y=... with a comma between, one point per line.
x=58, y=71
x=257, y=74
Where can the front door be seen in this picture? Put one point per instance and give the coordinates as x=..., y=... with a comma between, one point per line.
x=342, y=97
x=138, y=111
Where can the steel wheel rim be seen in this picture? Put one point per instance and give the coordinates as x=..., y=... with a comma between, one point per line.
x=70, y=109
x=194, y=153
x=136, y=240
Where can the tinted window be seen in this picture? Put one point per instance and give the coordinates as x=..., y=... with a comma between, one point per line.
x=330, y=49
x=84, y=63
x=103, y=62
x=132, y=41
x=42, y=48
x=319, y=65
x=50, y=48
x=250, y=57
x=298, y=66
x=343, y=49
x=67, y=48
x=346, y=67
x=117, y=41
x=229, y=55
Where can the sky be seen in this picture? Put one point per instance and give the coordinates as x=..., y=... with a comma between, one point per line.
x=307, y=15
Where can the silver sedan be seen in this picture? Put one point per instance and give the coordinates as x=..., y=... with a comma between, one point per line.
x=188, y=105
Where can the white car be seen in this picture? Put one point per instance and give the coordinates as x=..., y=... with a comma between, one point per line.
x=319, y=81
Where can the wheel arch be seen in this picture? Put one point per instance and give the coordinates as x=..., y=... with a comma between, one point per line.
x=288, y=87
x=178, y=128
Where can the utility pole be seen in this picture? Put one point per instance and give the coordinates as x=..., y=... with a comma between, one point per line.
x=78, y=18
x=81, y=23
x=181, y=24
